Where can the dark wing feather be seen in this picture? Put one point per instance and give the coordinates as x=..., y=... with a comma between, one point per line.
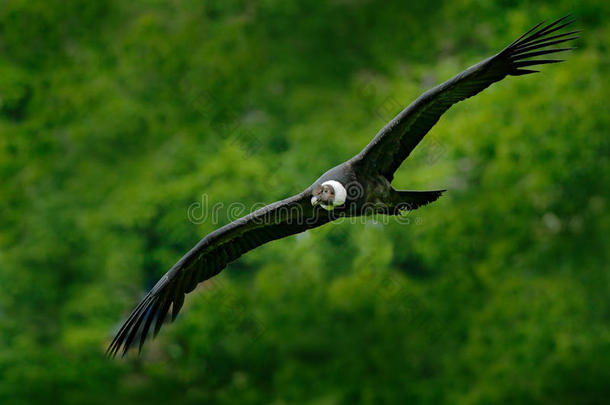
x=393, y=144
x=209, y=257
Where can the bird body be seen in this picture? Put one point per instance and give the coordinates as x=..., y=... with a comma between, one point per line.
x=359, y=186
x=366, y=192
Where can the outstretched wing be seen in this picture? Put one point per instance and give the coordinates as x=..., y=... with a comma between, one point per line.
x=393, y=144
x=210, y=256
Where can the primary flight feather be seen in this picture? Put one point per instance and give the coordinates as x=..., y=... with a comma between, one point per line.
x=359, y=186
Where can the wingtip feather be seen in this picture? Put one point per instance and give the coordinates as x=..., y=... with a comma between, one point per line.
x=548, y=29
x=521, y=72
x=533, y=44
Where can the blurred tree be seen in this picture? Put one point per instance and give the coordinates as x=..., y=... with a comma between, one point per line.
x=117, y=116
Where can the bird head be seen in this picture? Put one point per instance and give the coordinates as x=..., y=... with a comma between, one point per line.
x=329, y=195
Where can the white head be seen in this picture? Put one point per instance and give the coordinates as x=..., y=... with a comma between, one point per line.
x=329, y=195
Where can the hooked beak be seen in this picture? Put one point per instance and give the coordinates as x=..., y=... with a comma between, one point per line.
x=315, y=200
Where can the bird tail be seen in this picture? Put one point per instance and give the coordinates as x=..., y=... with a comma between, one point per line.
x=411, y=200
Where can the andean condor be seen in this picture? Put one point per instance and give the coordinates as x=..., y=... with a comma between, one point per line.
x=359, y=186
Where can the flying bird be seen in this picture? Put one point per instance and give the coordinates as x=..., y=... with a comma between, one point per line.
x=359, y=186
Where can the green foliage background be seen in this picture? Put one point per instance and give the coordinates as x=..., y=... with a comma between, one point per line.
x=115, y=117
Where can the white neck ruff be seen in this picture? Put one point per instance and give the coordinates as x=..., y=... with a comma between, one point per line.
x=340, y=194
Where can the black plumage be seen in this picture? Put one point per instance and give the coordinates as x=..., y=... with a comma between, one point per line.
x=366, y=178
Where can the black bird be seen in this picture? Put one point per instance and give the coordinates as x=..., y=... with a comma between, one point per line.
x=359, y=186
